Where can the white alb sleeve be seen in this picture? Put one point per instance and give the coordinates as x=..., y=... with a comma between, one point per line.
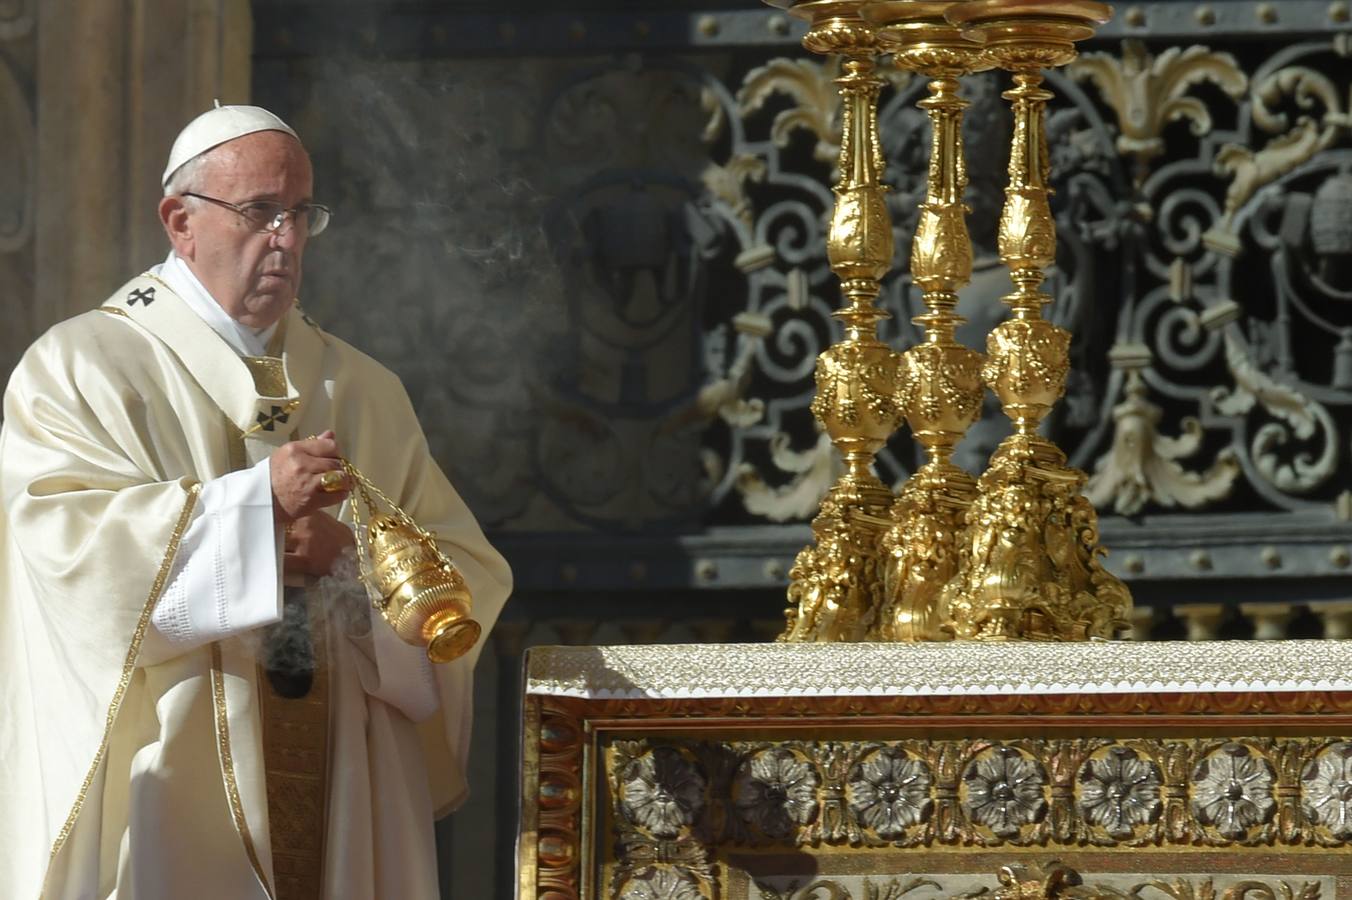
x=226, y=578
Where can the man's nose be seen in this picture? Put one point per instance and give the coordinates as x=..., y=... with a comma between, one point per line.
x=285, y=235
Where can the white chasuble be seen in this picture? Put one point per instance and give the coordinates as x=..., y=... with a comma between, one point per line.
x=145, y=780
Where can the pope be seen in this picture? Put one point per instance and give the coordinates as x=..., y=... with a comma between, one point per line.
x=197, y=699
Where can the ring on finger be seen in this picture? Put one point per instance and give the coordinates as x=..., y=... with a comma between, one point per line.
x=332, y=481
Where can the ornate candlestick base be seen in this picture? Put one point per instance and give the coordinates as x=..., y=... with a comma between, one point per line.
x=1029, y=566
x=835, y=584
x=921, y=552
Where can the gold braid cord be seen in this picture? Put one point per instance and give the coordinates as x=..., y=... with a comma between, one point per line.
x=1015, y=555
x=834, y=584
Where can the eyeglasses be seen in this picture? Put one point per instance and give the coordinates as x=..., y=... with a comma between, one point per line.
x=268, y=216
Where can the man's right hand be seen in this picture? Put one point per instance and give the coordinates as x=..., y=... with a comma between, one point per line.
x=296, y=470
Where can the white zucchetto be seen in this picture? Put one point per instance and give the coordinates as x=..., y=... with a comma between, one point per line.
x=215, y=127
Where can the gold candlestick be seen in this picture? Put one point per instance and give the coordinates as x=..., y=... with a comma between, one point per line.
x=940, y=383
x=834, y=583
x=1029, y=566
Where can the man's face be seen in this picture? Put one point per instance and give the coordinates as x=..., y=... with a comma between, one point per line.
x=254, y=276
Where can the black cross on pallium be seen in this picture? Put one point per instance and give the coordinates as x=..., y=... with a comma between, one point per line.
x=269, y=422
x=145, y=295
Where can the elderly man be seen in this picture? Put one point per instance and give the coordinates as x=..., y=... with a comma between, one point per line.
x=176, y=724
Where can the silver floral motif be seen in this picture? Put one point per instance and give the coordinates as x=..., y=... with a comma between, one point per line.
x=1232, y=790
x=889, y=791
x=776, y=790
x=662, y=792
x=1119, y=791
x=1005, y=790
x=660, y=883
x=1326, y=789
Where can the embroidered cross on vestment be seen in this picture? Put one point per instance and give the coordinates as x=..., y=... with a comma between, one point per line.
x=268, y=421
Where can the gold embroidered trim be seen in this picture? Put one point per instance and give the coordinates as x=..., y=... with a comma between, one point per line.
x=117, y=311
x=128, y=667
x=268, y=373
x=228, y=765
x=295, y=755
x=160, y=280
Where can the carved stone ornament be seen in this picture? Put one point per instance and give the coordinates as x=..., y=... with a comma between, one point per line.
x=845, y=796
x=716, y=768
x=1046, y=881
x=889, y=791
x=1004, y=790
x=1326, y=790
x=1232, y=790
x=775, y=791
x=789, y=793
x=661, y=792
x=1119, y=791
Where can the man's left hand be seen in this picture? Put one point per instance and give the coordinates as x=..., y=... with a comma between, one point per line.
x=313, y=543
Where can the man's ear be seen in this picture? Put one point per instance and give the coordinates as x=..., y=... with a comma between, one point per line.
x=174, y=217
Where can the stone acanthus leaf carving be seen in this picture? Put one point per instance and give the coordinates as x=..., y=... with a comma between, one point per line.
x=816, y=106
x=1295, y=144
x=1051, y=880
x=1253, y=386
x=1141, y=466
x=1205, y=889
x=824, y=889
x=813, y=890
x=661, y=883
x=1149, y=92
x=1304, y=417
x=1251, y=170
x=728, y=183
x=814, y=471
x=1307, y=87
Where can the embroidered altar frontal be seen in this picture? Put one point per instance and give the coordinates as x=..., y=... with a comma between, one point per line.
x=873, y=771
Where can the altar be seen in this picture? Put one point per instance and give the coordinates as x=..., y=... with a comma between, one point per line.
x=875, y=771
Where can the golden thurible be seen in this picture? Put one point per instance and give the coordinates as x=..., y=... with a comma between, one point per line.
x=413, y=584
